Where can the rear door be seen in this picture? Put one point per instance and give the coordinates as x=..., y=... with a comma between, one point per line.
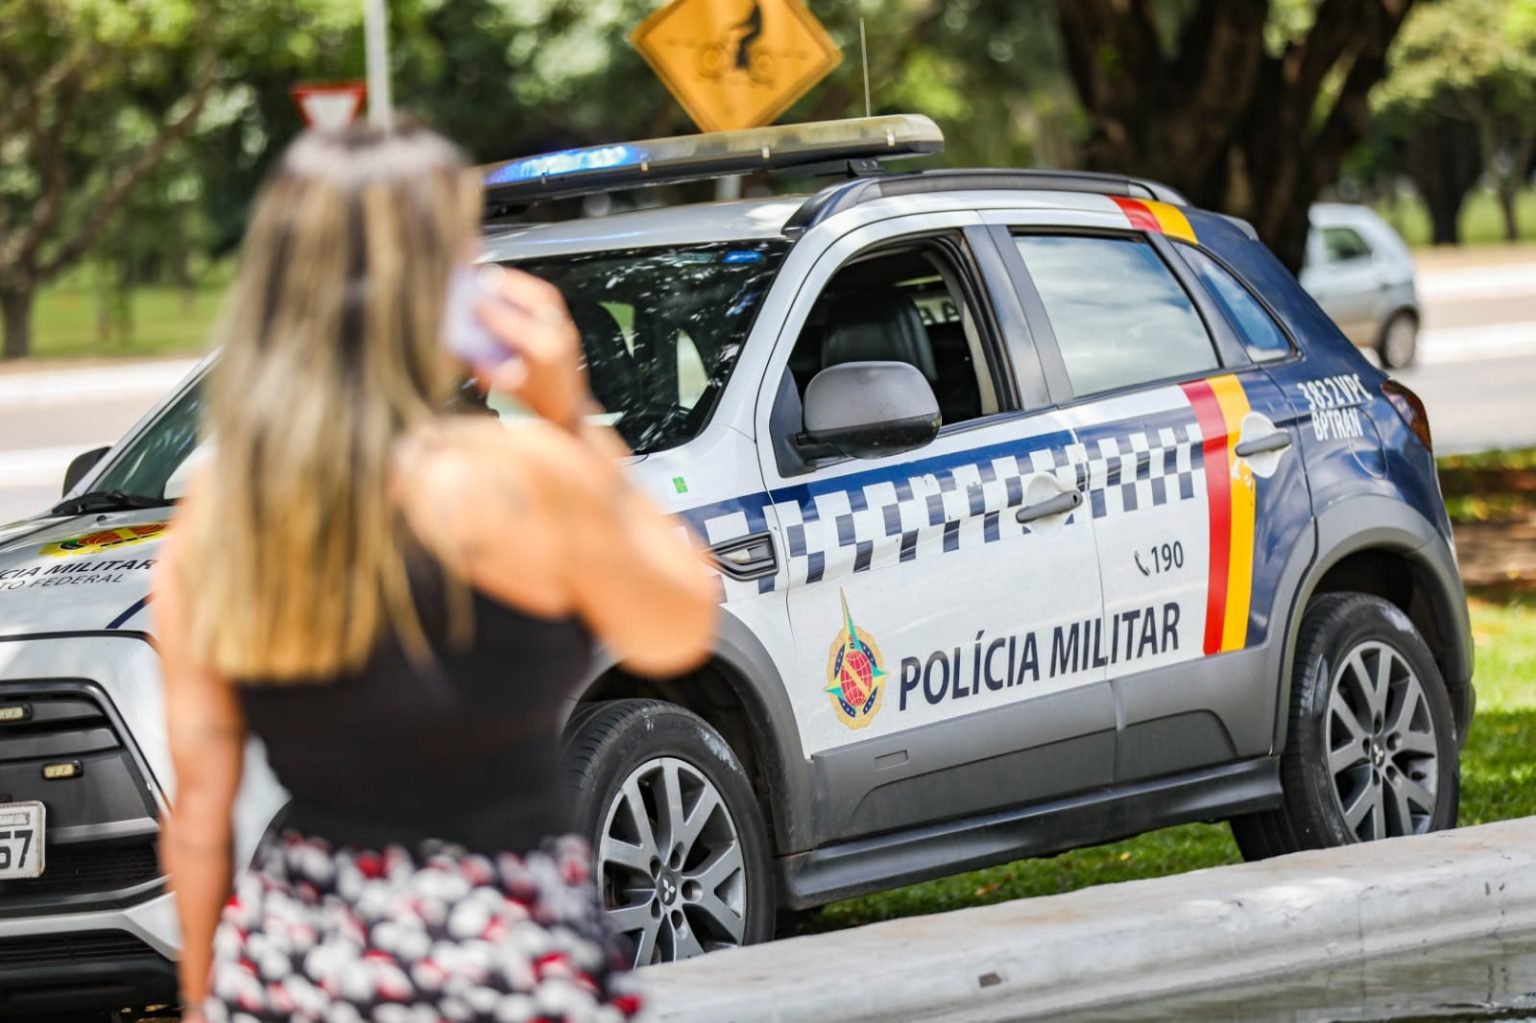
x=942, y=663
x=1194, y=479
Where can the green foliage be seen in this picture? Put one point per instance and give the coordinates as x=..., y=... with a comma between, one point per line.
x=1471, y=62
x=1479, y=220
x=1462, y=55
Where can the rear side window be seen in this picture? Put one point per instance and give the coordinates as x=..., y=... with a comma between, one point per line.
x=1119, y=315
x=1260, y=334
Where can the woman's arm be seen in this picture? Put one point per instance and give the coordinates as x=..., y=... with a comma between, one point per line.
x=631, y=572
x=634, y=573
x=207, y=736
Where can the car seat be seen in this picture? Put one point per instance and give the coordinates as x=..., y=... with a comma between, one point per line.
x=611, y=369
x=877, y=325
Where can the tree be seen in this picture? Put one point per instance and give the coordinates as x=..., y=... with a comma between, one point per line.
x=1474, y=62
x=1246, y=106
x=92, y=95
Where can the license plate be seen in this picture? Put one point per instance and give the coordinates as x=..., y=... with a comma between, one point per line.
x=21, y=840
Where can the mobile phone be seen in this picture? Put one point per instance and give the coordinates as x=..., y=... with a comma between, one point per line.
x=463, y=332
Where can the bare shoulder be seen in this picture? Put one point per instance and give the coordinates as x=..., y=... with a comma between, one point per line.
x=478, y=492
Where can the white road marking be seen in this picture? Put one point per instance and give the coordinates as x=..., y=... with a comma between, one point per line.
x=62, y=386
x=1472, y=344
x=1477, y=282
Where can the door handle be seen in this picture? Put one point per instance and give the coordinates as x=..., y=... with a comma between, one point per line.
x=746, y=557
x=1277, y=441
x=1058, y=505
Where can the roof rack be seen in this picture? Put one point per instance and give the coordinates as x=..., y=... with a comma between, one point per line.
x=836, y=198
x=853, y=146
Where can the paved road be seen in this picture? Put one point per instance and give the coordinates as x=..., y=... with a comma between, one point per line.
x=49, y=417
x=1476, y=373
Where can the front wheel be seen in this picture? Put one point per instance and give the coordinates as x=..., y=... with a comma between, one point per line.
x=679, y=841
x=1371, y=750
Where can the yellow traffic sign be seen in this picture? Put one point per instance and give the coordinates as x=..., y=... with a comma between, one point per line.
x=736, y=63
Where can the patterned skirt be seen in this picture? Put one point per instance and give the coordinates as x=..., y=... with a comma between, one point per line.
x=344, y=935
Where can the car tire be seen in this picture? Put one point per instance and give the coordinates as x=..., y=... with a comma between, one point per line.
x=674, y=884
x=1371, y=751
x=1399, y=341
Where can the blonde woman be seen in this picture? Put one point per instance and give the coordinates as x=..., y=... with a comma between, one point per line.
x=397, y=604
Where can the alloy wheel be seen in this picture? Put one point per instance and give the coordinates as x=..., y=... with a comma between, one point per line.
x=670, y=863
x=1381, y=745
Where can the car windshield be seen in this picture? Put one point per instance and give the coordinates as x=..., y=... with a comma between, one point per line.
x=155, y=465
x=661, y=330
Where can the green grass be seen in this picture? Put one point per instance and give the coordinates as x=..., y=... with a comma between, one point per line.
x=1481, y=222
x=1498, y=782
x=1489, y=487
x=64, y=323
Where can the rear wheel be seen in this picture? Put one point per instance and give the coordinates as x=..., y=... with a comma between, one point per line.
x=1371, y=750
x=1399, y=341
x=679, y=841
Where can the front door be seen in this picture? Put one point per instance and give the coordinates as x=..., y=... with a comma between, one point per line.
x=944, y=603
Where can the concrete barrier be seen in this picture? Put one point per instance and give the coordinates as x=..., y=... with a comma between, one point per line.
x=1121, y=943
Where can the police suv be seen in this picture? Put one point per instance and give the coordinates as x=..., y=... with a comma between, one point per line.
x=1046, y=509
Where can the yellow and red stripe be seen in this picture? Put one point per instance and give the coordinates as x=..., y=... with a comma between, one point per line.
x=1156, y=217
x=1220, y=405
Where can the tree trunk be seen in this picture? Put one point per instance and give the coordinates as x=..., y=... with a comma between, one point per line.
x=16, y=314
x=1508, y=191
x=1444, y=217
x=1233, y=125
x=1444, y=161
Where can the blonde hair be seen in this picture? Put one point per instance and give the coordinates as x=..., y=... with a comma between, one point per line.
x=330, y=352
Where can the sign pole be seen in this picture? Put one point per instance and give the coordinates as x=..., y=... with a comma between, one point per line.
x=381, y=112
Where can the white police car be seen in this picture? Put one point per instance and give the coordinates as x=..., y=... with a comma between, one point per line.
x=1047, y=511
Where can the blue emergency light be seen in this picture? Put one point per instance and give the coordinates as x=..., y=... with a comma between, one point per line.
x=852, y=145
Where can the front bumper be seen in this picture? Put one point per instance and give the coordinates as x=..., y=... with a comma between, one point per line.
x=65, y=961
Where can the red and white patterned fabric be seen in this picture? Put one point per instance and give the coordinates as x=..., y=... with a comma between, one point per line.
x=345, y=935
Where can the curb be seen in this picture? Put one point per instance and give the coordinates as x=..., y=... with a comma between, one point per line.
x=1131, y=941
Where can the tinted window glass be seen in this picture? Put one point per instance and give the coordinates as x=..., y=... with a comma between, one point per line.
x=1344, y=244
x=662, y=328
x=902, y=307
x=145, y=467
x=1253, y=324
x=1119, y=315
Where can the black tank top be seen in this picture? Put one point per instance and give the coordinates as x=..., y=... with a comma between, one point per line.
x=464, y=748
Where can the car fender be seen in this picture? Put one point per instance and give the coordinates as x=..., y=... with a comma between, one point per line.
x=753, y=676
x=1376, y=522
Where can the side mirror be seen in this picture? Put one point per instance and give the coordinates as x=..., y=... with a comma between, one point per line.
x=79, y=466
x=870, y=409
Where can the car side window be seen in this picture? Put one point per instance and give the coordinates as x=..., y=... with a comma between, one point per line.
x=902, y=306
x=1119, y=314
x=1344, y=244
x=1255, y=327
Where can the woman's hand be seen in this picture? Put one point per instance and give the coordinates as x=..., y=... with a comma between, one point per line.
x=531, y=319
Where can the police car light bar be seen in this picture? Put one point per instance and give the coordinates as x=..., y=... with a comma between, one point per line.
x=571, y=172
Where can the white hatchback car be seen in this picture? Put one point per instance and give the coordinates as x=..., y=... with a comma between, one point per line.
x=1361, y=272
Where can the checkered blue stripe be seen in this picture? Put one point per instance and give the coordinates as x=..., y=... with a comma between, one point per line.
x=938, y=505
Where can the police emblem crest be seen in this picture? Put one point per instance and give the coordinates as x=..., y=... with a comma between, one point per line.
x=856, y=680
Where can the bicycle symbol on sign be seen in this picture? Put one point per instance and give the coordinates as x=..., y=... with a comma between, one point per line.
x=740, y=49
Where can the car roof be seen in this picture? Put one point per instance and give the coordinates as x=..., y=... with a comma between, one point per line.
x=691, y=224
x=1328, y=213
